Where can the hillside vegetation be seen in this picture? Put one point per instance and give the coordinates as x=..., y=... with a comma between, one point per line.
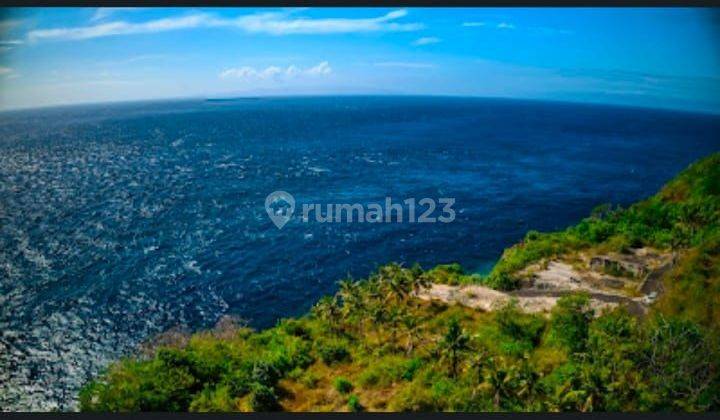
x=374, y=346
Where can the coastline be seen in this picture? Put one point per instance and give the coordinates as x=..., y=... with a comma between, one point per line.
x=400, y=316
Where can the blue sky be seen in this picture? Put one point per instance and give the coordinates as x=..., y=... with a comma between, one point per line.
x=666, y=58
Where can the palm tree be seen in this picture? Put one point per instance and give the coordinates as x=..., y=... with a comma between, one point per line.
x=411, y=324
x=394, y=317
x=526, y=379
x=327, y=310
x=397, y=279
x=499, y=380
x=482, y=360
x=454, y=344
x=350, y=294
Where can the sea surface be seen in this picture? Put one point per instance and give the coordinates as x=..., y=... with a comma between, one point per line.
x=118, y=222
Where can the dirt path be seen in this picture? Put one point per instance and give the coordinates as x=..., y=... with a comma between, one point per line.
x=653, y=282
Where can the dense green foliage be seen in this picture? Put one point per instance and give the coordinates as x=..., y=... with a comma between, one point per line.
x=685, y=213
x=373, y=346
x=459, y=360
x=693, y=287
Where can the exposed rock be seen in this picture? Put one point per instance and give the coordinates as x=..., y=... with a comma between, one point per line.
x=612, y=282
x=618, y=266
x=637, y=273
x=487, y=299
x=557, y=275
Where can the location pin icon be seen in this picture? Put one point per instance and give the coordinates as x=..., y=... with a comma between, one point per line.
x=279, y=206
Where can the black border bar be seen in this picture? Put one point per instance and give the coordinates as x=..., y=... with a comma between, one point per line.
x=366, y=415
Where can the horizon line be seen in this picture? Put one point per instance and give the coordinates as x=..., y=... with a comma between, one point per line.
x=697, y=111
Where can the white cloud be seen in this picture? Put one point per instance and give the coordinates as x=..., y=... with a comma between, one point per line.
x=240, y=73
x=274, y=72
x=538, y=30
x=5, y=70
x=270, y=72
x=321, y=68
x=141, y=59
x=292, y=71
x=120, y=28
x=105, y=12
x=404, y=64
x=281, y=23
x=426, y=40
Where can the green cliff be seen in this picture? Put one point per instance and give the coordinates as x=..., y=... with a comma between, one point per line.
x=375, y=345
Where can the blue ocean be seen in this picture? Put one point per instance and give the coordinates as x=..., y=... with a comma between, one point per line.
x=121, y=221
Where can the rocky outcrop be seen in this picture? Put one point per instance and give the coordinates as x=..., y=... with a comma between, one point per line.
x=633, y=279
x=619, y=266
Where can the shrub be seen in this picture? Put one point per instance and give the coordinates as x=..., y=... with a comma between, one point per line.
x=415, y=397
x=370, y=377
x=411, y=368
x=332, y=352
x=342, y=385
x=142, y=386
x=295, y=328
x=501, y=280
x=310, y=380
x=388, y=370
x=263, y=398
x=238, y=381
x=213, y=400
x=446, y=274
x=265, y=373
x=682, y=363
x=570, y=321
x=519, y=325
x=354, y=404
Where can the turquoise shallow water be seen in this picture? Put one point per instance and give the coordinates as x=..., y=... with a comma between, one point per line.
x=120, y=221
